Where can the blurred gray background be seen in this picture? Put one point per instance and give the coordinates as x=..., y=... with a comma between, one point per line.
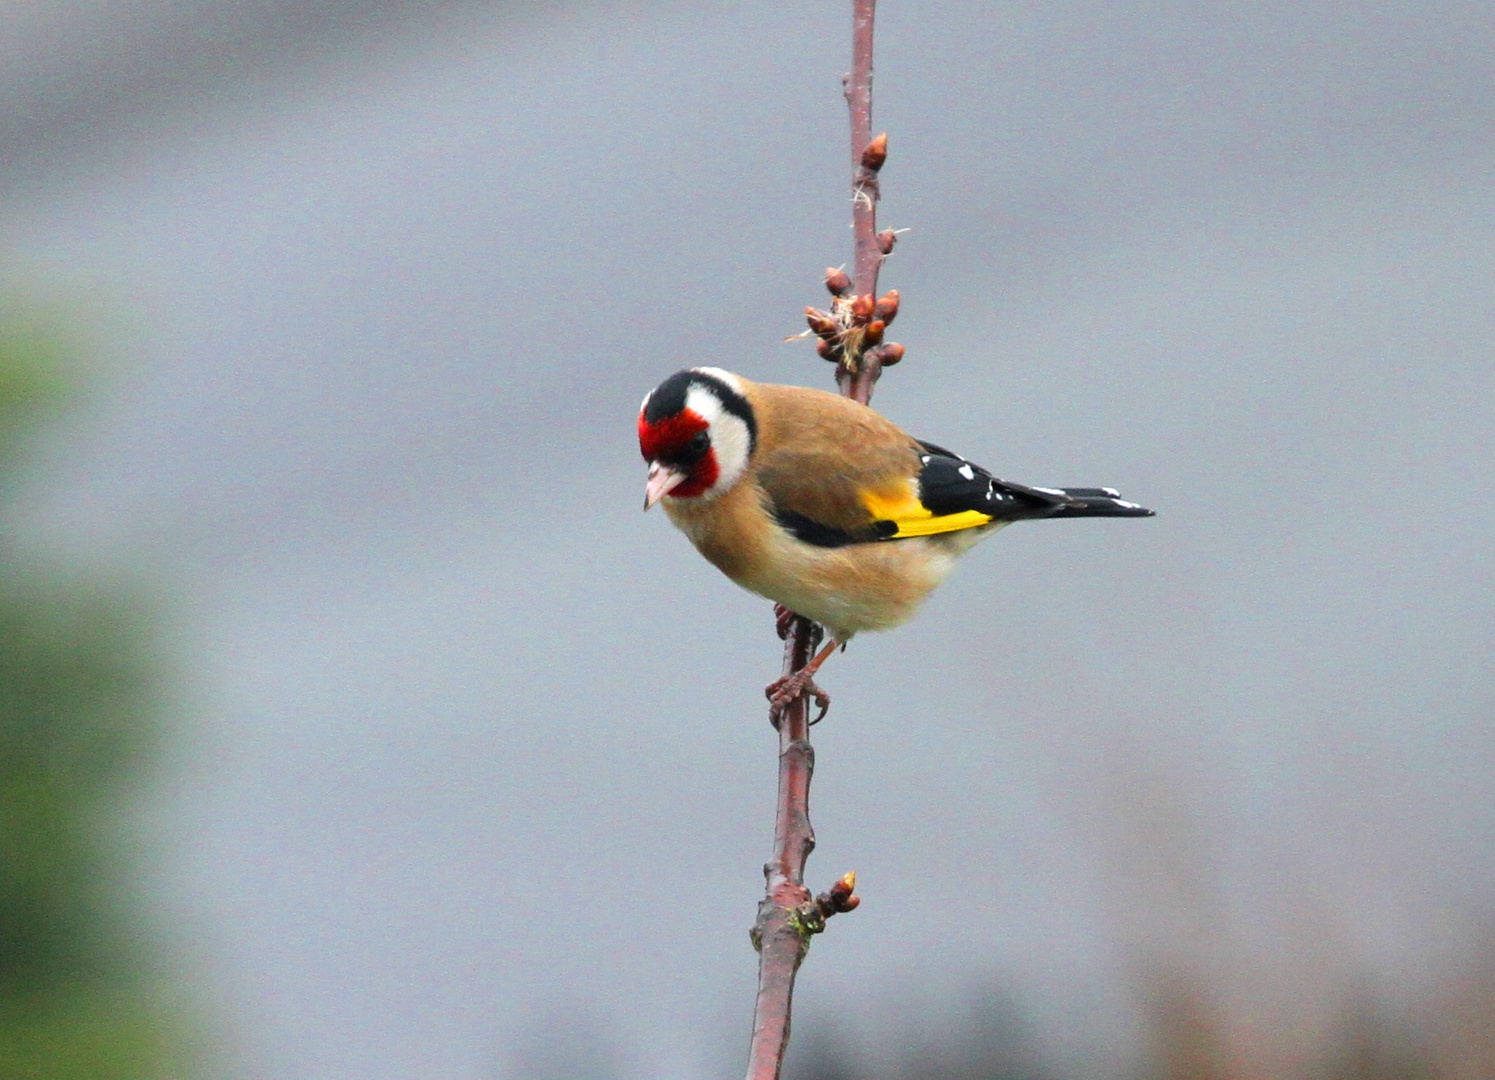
x=473, y=776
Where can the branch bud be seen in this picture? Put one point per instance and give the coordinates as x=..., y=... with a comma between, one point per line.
x=873, y=334
x=837, y=281
x=885, y=241
x=821, y=323
x=862, y=308
x=839, y=896
x=828, y=350
x=891, y=353
x=887, y=306
x=875, y=153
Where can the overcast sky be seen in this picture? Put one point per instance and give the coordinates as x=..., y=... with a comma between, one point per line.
x=472, y=749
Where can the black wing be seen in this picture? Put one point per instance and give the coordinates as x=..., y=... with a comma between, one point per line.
x=949, y=484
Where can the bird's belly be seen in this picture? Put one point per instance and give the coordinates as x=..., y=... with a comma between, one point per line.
x=854, y=588
x=847, y=589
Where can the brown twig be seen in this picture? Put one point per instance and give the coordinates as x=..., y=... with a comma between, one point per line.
x=851, y=333
x=788, y=915
x=782, y=931
x=867, y=157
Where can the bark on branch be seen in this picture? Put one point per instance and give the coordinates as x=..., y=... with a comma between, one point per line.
x=851, y=334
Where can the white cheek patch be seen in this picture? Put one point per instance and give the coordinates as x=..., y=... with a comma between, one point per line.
x=730, y=438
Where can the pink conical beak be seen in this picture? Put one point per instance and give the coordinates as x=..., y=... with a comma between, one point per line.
x=662, y=481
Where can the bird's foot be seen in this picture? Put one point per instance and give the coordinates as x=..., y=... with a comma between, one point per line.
x=783, y=620
x=782, y=693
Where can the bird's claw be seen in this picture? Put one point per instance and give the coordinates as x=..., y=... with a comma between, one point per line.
x=782, y=693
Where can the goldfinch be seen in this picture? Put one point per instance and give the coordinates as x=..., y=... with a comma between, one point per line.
x=822, y=505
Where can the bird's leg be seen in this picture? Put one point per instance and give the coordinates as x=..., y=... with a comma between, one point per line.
x=783, y=692
x=784, y=620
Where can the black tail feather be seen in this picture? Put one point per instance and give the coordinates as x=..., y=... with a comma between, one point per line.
x=1096, y=502
x=949, y=484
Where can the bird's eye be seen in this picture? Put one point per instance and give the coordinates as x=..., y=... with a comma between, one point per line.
x=699, y=443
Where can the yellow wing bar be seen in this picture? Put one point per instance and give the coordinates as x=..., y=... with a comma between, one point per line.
x=966, y=519
x=913, y=518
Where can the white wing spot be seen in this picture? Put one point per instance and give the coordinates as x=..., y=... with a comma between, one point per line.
x=924, y=459
x=967, y=472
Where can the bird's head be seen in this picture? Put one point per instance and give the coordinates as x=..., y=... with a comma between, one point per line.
x=696, y=430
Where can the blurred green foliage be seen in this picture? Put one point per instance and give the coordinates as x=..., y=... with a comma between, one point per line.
x=34, y=372
x=77, y=719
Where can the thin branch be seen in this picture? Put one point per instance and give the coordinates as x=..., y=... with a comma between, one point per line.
x=858, y=89
x=780, y=934
x=851, y=334
x=788, y=915
x=866, y=159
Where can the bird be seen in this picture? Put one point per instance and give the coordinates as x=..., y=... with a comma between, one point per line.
x=823, y=505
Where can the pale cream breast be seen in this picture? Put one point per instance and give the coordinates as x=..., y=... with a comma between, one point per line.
x=873, y=586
